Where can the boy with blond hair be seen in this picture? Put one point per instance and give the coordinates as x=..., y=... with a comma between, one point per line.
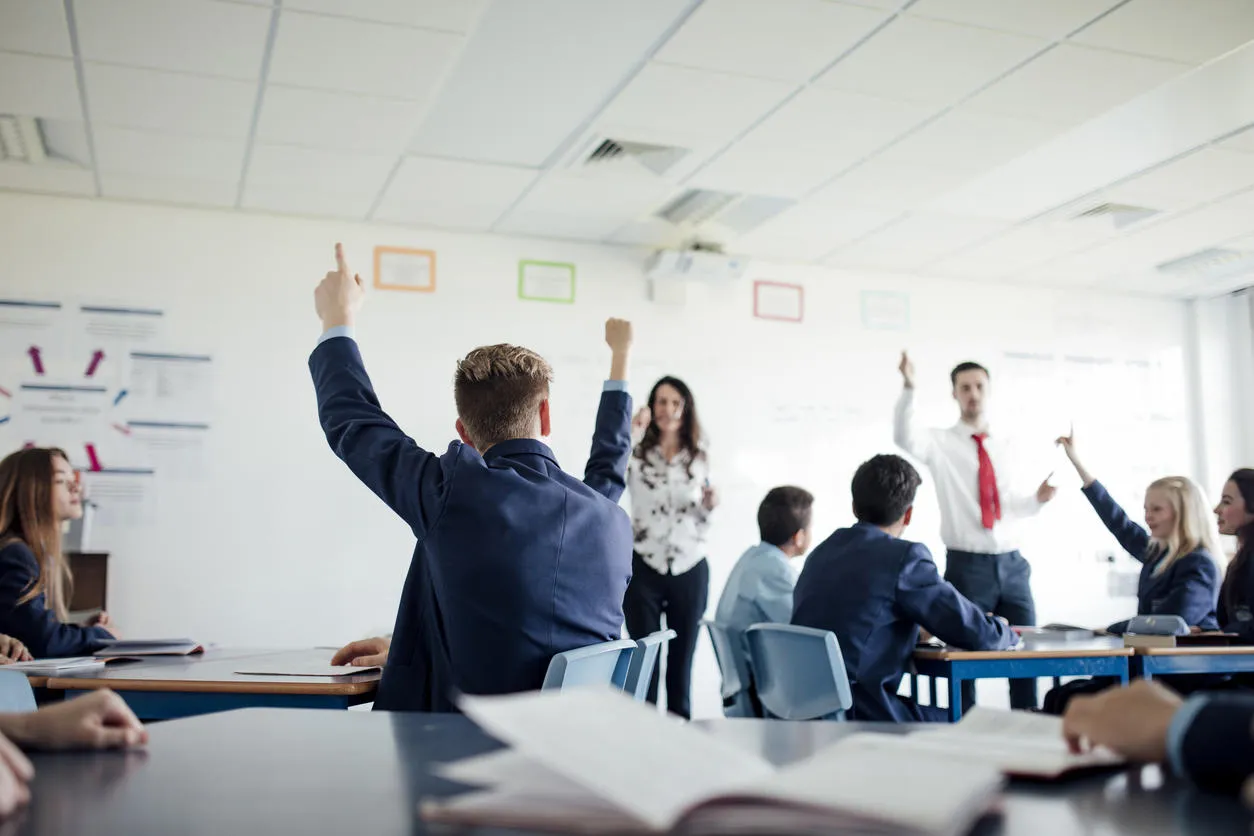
x=516, y=560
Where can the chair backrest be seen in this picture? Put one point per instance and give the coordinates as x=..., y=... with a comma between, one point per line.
x=15, y=692
x=730, y=657
x=799, y=672
x=644, y=660
x=601, y=664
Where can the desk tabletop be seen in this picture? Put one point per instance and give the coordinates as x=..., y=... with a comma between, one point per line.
x=1220, y=650
x=1037, y=650
x=214, y=671
x=328, y=772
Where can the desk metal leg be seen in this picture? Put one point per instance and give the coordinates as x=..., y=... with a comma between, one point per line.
x=955, y=699
x=931, y=682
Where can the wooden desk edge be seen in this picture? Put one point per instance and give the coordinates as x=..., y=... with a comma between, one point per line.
x=1223, y=650
x=313, y=689
x=1026, y=655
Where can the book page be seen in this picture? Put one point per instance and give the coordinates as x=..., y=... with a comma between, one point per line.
x=646, y=764
x=1019, y=724
x=508, y=768
x=1019, y=742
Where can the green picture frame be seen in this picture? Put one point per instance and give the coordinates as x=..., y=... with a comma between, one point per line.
x=538, y=281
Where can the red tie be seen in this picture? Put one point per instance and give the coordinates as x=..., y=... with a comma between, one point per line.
x=990, y=501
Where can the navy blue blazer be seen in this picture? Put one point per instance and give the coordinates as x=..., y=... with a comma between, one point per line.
x=873, y=591
x=1189, y=587
x=516, y=560
x=32, y=623
x=1239, y=618
x=1217, y=749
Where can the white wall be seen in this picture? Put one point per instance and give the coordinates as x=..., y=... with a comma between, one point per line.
x=278, y=545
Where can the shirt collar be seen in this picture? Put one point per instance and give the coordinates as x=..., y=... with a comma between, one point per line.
x=515, y=447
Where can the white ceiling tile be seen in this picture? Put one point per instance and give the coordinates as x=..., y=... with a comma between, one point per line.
x=690, y=102
x=459, y=16
x=1194, y=31
x=167, y=157
x=806, y=233
x=845, y=127
x=1200, y=177
x=193, y=36
x=178, y=192
x=626, y=196
x=577, y=227
x=760, y=171
x=330, y=53
x=915, y=240
x=173, y=102
x=1070, y=84
x=930, y=61
x=46, y=178
x=650, y=232
x=1243, y=141
x=1019, y=250
x=535, y=73
x=969, y=141
x=300, y=200
x=35, y=26
x=890, y=184
x=452, y=194
x=313, y=169
x=790, y=40
x=340, y=121
x=33, y=85
x=1044, y=18
x=66, y=140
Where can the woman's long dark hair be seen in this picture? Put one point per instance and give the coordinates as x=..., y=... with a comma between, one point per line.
x=1244, y=480
x=689, y=426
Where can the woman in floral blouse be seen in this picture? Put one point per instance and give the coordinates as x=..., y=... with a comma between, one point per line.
x=671, y=501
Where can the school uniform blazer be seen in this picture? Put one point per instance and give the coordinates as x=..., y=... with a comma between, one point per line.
x=1240, y=618
x=873, y=591
x=515, y=561
x=31, y=622
x=1210, y=740
x=1189, y=587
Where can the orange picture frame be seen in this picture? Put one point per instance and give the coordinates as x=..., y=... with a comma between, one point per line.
x=382, y=252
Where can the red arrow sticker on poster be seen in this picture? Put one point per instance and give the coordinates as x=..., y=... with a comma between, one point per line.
x=96, y=357
x=36, y=359
x=93, y=458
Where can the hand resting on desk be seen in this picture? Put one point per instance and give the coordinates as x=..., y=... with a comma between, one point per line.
x=1133, y=721
x=12, y=650
x=365, y=653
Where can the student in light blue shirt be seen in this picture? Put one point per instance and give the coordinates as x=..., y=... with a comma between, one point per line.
x=760, y=586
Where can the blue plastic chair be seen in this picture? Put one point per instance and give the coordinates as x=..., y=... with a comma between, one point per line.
x=604, y=664
x=799, y=672
x=15, y=692
x=644, y=660
x=732, y=664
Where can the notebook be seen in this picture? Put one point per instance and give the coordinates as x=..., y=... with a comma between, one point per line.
x=149, y=647
x=50, y=667
x=597, y=762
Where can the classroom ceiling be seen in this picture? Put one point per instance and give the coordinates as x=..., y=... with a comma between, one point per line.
x=1076, y=143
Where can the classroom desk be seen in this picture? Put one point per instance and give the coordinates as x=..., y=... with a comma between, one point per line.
x=324, y=772
x=1155, y=661
x=1099, y=657
x=166, y=687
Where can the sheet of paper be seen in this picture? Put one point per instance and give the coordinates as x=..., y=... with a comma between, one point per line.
x=1016, y=724
x=623, y=751
x=509, y=768
x=39, y=666
x=262, y=669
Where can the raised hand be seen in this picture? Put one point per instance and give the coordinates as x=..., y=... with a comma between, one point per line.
x=618, y=335
x=641, y=420
x=339, y=295
x=1046, y=491
x=906, y=367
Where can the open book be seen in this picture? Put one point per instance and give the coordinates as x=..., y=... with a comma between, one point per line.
x=50, y=667
x=149, y=647
x=1020, y=743
x=596, y=762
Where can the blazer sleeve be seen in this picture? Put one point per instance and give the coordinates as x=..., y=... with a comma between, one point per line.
x=775, y=595
x=31, y=622
x=1230, y=622
x=1217, y=748
x=1194, y=590
x=1134, y=539
x=405, y=476
x=927, y=599
x=606, y=472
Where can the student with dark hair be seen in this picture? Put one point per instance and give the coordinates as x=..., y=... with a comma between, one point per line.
x=979, y=490
x=759, y=588
x=874, y=590
x=671, y=503
x=1235, y=515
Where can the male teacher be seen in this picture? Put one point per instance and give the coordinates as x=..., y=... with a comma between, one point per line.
x=974, y=471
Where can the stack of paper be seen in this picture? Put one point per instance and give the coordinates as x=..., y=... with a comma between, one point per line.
x=149, y=647
x=597, y=762
x=50, y=667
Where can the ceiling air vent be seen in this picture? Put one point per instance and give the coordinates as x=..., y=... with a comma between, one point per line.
x=606, y=153
x=722, y=211
x=21, y=140
x=1211, y=264
x=1120, y=214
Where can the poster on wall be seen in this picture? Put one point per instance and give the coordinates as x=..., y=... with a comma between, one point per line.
x=546, y=281
x=779, y=301
x=399, y=268
x=885, y=310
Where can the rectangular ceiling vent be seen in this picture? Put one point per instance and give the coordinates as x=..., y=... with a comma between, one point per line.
x=601, y=153
x=1120, y=214
x=21, y=140
x=1212, y=263
x=724, y=213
